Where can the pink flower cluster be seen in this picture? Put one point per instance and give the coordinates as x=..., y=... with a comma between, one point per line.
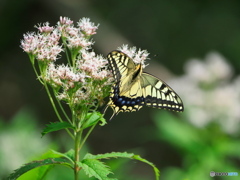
x=42, y=46
x=46, y=45
x=64, y=76
x=85, y=77
x=138, y=57
x=87, y=27
x=77, y=37
x=93, y=65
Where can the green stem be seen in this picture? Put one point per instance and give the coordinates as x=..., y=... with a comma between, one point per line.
x=62, y=109
x=38, y=77
x=74, y=54
x=77, y=149
x=78, y=135
x=87, y=135
x=66, y=50
x=52, y=102
x=55, y=108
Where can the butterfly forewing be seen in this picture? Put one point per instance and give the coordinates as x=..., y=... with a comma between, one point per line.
x=120, y=64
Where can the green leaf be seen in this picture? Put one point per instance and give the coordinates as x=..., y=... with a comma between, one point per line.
x=156, y=170
x=95, y=168
x=40, y=172
x=56, y=126
x=27, y=167
x=36, y=173
x=123, y=155
x=93, y=118
x=109, y=155
x=68, y=155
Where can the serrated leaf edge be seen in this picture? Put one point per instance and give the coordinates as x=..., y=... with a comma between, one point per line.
x=53, y=161
x=124, y=155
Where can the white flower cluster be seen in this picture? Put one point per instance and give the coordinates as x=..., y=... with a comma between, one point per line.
x=45, y=47
x=138, y=57
x=209, y=93
x=87, y=27
x=93, y=65
x=77, y=37
x=85, y=78
x=64, y=76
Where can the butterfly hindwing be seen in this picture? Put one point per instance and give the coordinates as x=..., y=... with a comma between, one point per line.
x=124, y=103
x=158, y=94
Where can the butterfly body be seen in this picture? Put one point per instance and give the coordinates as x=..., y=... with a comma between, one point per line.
x=134, y=88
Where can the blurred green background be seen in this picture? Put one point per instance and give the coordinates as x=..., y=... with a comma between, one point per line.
x=173, y=32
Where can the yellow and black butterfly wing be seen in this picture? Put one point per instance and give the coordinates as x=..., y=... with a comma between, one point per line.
x=120, y=64
x=125, y=102
x=125, y=96
x=134, y=88
x=158, y=94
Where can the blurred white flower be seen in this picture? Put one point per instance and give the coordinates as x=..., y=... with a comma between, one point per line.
x=196, y=69
x=209, y=94
x=218, y=66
